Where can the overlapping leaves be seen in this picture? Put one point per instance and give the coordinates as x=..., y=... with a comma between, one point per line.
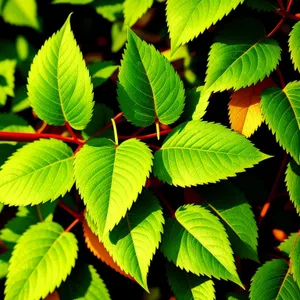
x=197, y=242
x=110, y=177
x=272, y=281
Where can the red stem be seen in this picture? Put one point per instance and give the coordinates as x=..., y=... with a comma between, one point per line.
x=282, y=82
x=42, y=128
x=280, y=4
x=153, y=147
x=277, y=27
x=144, y=137
x=272, y=194
x=140, y=130
x=71, y=132
x=70, y=211
x=30, y=137
x=289, y=6
x=72, y=225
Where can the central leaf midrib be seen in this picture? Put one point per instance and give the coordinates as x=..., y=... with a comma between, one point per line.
x=231, y=65
x=52, y=245
x=204, y=247
x=147, y=75
x=34, y=171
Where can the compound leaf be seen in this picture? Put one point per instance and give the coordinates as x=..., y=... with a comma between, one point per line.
x=272, y=281
x=97, y=247
x=292, y=179
x=244, y=108
x=133, y=242
x=47, y=255
x=149, y=89
x=187, y=19
x=59, y=85
x=84, y=283
x=197, y=242
x=287, y=244
x=295, y=259
x=110, y=177
x=230, y=205
x=294, y=45
x=36, y=173
x=281, y=110
x=21, y=13
x=200, y=152
x=187, y=286
x=241, y=56
x=7, y=79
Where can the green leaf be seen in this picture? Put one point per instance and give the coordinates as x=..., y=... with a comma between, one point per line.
x=36, y=173
x=287, y=244
x=42, y=259
x=134, y=9
x=196, y=241
x=272, y=281
x=110, y=177
x=13, y=123
x=149, y=89
x=281, y=110
x=199, y=152
x=187, y=19
x=101, y=117
x=241, y=56
x=74, y=2
x=1, y=207
x=292, y=179
x=196, y=104
x=84, y=283
x=230, y=205
x=20, y=102
x=295, y=260
x=21, y=13
x=59, y=85
x=111, y=10
x=101, y=71
x=266, y=5
x=4, y=259
x=187, y=286
x=236, y=296
x=294, y=45
x=133, y=242
x=118, y=36
x=22, y=47
x=25, y=217
x=7, y=79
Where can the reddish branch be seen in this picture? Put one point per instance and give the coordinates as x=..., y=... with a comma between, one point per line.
x=30, y=137
x=76, y=215
x=72, y=225
x=71, y=132
x=285, y=15
x=272, y=194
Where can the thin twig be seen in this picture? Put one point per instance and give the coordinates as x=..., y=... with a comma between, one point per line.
x=70, y=211
x=71, y=132
x=39, y=213
x=272, y=194
x=72, y=225
x=281, y=79
x=277, y=27
x=30, y=137
x=42, y=128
